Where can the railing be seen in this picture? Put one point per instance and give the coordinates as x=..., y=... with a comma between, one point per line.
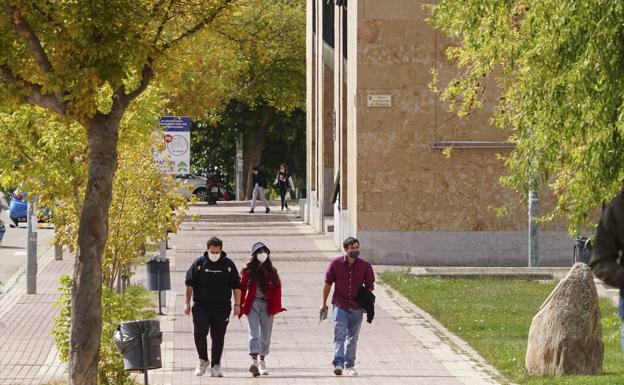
x=440, y=145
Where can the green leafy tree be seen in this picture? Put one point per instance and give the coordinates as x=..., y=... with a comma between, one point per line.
x=256, y=59
x=46, y=156
x=257, y=55
x=86, y=62
x=40, y=160
x=286, y=143
x=140, y=212
x=283, y=140
x=213, y=147
x=270, y=39
x=558, y=65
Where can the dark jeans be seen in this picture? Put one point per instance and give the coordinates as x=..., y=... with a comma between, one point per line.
x=213, y=321
x=283, y=192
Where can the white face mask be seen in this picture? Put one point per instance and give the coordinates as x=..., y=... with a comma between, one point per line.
x=262, y=257
x=214, y=257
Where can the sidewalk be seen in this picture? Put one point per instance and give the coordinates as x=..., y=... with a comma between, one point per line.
x=27, y=353
x=403, y=345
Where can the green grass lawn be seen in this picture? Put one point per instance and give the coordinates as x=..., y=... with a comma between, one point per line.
x=494, y=317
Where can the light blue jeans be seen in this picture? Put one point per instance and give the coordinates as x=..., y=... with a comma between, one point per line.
x=347, y=325
x=260, y=327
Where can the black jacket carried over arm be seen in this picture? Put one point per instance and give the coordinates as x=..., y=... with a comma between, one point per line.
x=609, y=244
x=213, y=282
x=366, y=300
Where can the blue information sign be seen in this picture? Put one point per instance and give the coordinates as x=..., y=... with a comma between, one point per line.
x=176, y=156
x=176, y=123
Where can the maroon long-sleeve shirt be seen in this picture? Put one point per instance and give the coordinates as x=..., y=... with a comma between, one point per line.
x=348, y=279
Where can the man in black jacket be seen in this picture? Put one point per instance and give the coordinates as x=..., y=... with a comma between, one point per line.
x=260, y=184
x=606, y=262
x=210, y=281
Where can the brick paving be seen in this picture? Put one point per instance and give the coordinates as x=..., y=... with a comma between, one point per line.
x=402, y=345
x=27, y=353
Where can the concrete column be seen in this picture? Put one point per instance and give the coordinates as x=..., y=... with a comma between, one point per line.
x=309, y=85
x=355, y=13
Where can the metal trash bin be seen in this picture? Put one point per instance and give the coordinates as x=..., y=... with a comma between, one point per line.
x=582, y=250
x=129, y=338
x=158, y=276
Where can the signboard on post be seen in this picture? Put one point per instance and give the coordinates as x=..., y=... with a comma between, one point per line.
x=177, y=144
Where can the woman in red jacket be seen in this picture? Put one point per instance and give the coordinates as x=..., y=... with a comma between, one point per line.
x=261, y=298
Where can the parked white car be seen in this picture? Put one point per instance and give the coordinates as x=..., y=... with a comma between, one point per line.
x=191, y=184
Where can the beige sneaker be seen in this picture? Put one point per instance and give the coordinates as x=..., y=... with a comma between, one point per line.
x=201, y=367
x=351, y=372
x=263, y=368
x=215, y=371
x=253, y=368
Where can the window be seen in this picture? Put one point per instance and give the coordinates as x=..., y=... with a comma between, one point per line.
x=314, y=16
x=328, y=22
x=344, y=31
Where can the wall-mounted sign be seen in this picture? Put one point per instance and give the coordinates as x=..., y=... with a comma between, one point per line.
x=379, y=100
x=177, y=142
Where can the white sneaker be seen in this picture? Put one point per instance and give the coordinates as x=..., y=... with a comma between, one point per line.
x=351, y=372
x=253, y=368
x=338, y=370
x=215, y=371
x=263, y=368
x=202, y=365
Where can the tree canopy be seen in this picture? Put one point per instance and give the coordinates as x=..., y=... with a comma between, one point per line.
x=246, y=77
x=88, y=64
x=214, y=143
x=101, y=72
x=559, y=67
x=256, y=55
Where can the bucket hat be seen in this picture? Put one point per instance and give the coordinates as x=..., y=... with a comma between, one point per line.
x=257, y=246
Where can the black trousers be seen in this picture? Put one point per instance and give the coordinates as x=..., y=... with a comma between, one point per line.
x=213, y=321
x=283, y=191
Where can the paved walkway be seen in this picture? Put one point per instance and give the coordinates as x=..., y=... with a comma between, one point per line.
x=13, y=247
x=403, y=345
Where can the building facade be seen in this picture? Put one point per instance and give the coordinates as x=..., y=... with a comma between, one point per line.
x=376, y=169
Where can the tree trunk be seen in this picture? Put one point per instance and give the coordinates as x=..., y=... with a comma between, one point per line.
x=252, y=153
x=102, y=134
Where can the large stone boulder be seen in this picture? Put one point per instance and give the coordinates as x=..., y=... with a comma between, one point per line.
x=565, y=335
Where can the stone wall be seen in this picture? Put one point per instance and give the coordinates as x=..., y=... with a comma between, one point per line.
x=407, y=202
x=463, y=248
x=403, y=184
